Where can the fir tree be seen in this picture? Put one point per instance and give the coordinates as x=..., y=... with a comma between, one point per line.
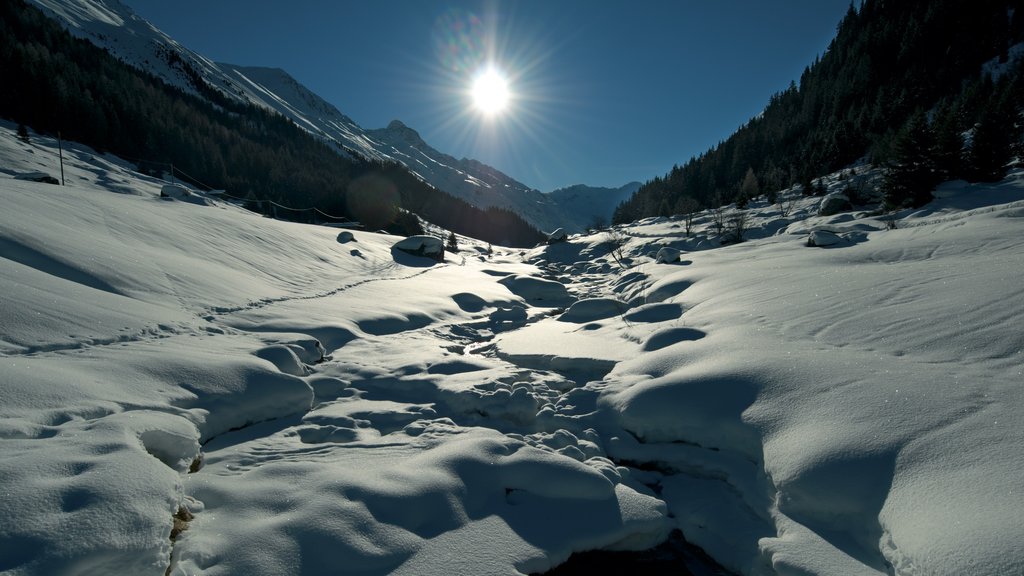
x=750, y=187
x=948, y=144
x=992, y=145
x=22, y=133
x=911, y=175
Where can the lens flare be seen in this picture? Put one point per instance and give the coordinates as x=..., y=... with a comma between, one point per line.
x=459, y=40
x=490, y=92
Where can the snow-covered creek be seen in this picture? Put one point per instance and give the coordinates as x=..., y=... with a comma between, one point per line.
x=190, y=388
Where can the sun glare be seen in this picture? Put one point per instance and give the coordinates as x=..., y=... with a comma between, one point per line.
x=490, y=92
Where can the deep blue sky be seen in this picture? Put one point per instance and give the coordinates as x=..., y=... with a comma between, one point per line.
x=606, y=91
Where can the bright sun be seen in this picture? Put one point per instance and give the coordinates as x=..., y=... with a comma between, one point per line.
x=490, y=92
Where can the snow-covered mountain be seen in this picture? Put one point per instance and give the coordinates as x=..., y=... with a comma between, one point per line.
x=586, y=204
x=134, y=40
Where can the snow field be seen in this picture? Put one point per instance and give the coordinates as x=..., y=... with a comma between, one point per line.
x=791, y=409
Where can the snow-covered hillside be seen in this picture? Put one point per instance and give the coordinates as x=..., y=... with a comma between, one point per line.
x=190, y=385
x=134, y=40
x=586, y=205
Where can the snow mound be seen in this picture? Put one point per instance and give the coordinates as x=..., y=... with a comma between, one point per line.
x=591, y=309
x=536, y=290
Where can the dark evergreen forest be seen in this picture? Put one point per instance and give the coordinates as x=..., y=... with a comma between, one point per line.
x=901, y=84
x=54, y=83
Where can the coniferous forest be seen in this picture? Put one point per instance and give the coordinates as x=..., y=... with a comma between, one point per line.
x=55, y=83
x=925, y=88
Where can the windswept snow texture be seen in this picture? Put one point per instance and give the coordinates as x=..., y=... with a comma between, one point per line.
x=289, y=406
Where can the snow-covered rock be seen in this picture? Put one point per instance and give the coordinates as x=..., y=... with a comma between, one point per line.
x=667, y=255
x=591, y=309
x=37, y=176
x=422, y=245
x=533, y=289
x=174, y=191
x=834, y=203
x=823, y=238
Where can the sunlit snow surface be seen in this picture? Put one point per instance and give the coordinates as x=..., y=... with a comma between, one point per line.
x=855, y=409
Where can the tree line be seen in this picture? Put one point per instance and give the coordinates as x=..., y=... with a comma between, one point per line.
x=54, y=83
x=891, y=64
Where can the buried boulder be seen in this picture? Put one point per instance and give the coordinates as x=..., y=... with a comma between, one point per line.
x=822, y=238
x=834, y=204
x=421, y=245
x=533, y=289
x=667, y=255
x=591, y=309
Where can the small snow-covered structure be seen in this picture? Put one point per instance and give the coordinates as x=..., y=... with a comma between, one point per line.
x=421, y=245
x=667, y=255
x=559, y=235
x=174, y=191
x=833, y=204
x=822, y=238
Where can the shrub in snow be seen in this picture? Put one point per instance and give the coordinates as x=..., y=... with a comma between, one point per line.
x=346, y=236
x=422, y=245
x=822, y=238
x=558, y=235
x=834, y=204
x=667, y=255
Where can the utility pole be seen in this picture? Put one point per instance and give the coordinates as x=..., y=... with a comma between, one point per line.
x=60, y=152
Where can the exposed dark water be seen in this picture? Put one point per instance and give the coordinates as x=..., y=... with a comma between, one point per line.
x=675, y=557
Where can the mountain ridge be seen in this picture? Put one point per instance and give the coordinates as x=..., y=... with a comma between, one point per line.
x=137, y=42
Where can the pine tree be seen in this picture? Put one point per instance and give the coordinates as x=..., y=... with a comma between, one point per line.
x=750, y=187
x=992, y=145
x=22, y=133
x=948, y=144
x=453, y=242
x=911, y=175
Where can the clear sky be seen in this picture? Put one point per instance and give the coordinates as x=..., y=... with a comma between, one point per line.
x=602, y=92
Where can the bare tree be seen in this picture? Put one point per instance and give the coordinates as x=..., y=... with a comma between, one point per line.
x=739, y=222
x=688, y=207
x=786, y=206
x=617, y=239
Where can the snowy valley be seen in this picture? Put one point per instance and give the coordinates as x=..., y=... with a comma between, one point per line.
x=190, y=388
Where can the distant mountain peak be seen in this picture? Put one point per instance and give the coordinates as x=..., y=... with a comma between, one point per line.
x=398, y=129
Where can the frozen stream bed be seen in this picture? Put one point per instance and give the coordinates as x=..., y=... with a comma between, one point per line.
x=189, y=388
